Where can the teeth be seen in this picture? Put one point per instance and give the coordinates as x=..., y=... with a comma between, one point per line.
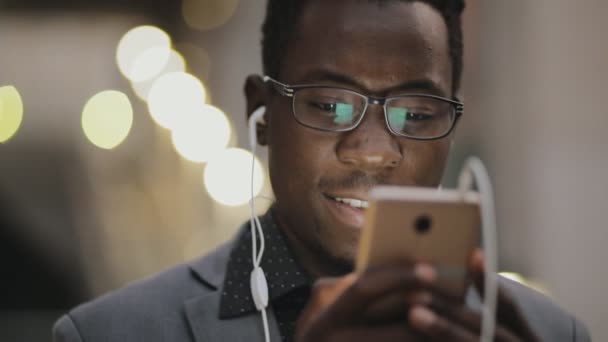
x=355, y=203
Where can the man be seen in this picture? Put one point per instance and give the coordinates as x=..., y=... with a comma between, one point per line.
x=359, y=93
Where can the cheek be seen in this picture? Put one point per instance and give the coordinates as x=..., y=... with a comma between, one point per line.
x=297, y=155
x=426, y=160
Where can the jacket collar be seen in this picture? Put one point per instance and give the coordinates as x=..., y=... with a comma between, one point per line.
x=211, y=268
x=202, y=311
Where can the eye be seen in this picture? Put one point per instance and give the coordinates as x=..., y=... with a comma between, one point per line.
x=324, y=106
x=338, y=112
x=419, y=116
x=400, y=115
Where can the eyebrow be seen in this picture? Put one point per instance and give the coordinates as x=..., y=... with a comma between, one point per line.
x=424, y=84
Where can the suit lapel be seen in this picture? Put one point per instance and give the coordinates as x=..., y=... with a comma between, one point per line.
x=202, y=311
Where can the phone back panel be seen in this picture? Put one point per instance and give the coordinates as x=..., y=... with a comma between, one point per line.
x=441, y=230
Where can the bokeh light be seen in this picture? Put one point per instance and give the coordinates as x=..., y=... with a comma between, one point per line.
x=202, y=135
x=176, y=63
x=107, y=118
x=143, y=52
x=11, y=112
x=227, y=177
x=516, y=277
x=208, y=14
x=173, y=96
x=149, y=64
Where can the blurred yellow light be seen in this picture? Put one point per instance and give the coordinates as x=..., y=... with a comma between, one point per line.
x=201, y=135
x=516, y=277
x=173, y=96
x=107, y=118
x=176, y=63
x=208, y=14
x=11, y=112
x=227, y=177
x=143, y=52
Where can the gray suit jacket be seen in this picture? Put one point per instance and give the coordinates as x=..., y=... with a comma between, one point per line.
x=182, y=304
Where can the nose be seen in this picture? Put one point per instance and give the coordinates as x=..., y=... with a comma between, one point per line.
x=370, y=147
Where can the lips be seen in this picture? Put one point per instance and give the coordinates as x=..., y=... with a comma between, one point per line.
x=347, y=209
x=353, y=202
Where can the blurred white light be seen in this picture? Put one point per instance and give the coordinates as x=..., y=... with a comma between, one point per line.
x=11, y=112
x=173, y=96
x=107, y=118
x=149, y=63
x=143, y=52
x=202, y=135
x=227, y=177
x=176, y=63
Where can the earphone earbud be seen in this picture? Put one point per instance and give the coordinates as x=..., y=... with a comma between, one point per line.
x=256, y=116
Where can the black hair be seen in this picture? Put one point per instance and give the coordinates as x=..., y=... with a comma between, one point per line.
x=282, y=17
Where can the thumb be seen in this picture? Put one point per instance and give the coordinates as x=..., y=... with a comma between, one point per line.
x=324, y=293
x=329, y=289
x=477, y=269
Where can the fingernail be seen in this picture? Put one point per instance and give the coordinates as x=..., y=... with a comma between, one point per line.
x=425, y=272
x=421, y=317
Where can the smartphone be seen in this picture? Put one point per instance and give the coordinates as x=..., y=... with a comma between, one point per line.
x=440, y=227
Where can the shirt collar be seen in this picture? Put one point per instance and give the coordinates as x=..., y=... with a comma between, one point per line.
x=282, y=271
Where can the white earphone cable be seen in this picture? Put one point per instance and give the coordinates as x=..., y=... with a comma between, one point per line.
x=256, y=229
x=474, y=170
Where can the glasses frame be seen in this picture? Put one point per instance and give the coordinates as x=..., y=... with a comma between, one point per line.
x=291, y=90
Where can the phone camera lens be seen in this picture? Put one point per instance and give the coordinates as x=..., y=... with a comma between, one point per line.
x=423, y=224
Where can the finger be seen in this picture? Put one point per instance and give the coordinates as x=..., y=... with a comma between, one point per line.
x=325, y=292
x=346, y=309
x=436, y=328
x=395, y=306
x=332, y=288
x=381, y=282
x=456, y=312
x=477, y=268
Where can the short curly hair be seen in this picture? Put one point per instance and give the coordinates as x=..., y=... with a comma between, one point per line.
x=282, y=16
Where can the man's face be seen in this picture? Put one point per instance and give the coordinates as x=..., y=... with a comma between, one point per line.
x=395, y=48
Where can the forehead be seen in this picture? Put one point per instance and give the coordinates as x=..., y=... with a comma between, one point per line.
x=379, y=46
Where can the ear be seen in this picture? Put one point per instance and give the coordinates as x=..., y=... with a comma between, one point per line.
x=256, y=95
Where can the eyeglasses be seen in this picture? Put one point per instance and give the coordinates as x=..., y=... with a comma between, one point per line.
x=333, y=109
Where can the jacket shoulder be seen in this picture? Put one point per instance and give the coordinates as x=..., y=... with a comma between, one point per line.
x=151, y=309
x=547, y=319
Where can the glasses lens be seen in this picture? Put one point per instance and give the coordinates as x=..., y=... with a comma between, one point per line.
x=327, y=108
x=420, y=117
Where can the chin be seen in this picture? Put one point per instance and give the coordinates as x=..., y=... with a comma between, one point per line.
x=341, y=253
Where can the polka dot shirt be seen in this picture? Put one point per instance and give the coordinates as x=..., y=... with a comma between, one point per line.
x=289, y=286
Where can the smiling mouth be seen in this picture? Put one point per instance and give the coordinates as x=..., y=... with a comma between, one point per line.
x=347, y=209
x=353, y=202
